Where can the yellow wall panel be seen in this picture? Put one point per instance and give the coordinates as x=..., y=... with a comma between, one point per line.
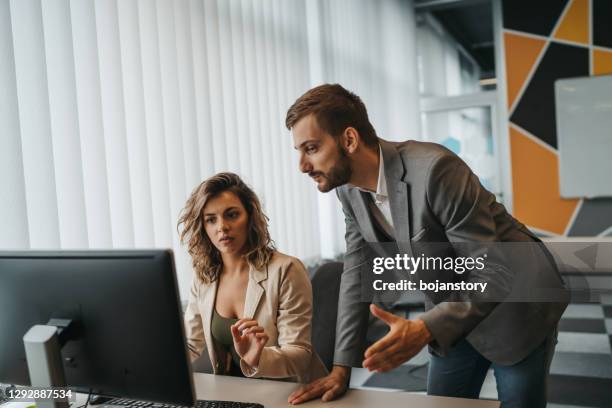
x=575, y=24
x=521, y=54
x=602, y=62
x=535, y=183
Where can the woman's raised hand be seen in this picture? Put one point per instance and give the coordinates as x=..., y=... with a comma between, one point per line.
x=249, y=340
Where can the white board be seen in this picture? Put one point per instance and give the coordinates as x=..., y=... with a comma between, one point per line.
x=584, y=136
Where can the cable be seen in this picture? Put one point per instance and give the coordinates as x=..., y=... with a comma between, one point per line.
x=87, y=401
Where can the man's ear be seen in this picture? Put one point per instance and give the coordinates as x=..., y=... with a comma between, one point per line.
x=350, y=140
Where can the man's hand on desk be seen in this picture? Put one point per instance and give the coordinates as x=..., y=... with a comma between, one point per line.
x=328, y=387
x=404, y=340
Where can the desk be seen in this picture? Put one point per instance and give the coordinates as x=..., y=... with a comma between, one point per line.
x=274, y=394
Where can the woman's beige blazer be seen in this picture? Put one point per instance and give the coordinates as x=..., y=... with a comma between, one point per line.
x=279, y=297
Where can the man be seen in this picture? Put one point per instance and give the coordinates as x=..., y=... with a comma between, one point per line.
x=408, y=192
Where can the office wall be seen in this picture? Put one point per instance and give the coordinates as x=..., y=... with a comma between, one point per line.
x=446, y=70
x=545, y=41
x=444, y=67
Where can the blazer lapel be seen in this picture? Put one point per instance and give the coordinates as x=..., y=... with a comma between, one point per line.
x=398, y=191
x=208, y=300
x=254, y=291
x=363, y=215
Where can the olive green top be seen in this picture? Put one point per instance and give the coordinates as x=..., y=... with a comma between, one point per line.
x=221, y=332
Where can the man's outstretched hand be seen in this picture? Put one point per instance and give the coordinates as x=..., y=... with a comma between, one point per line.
x=404, y=340
x=328, y=388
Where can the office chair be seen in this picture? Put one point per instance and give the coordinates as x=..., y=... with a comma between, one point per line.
x=325, y=289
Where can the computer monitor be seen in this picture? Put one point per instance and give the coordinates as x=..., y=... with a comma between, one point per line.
x=126, y=308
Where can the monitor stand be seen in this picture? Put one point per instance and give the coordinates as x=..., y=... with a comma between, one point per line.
x=42, y=347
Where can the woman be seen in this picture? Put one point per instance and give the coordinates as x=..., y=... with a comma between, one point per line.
x=250, y=305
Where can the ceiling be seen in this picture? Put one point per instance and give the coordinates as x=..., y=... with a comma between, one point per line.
x=470, y=22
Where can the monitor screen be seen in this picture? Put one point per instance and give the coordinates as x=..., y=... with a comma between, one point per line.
x=125, y=305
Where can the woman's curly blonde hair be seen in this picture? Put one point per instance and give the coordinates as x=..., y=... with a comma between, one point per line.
x=206, y=259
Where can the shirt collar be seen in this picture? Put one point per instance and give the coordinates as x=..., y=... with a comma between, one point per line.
x=381, y=187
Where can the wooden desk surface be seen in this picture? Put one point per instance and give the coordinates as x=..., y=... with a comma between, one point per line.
x=274, y=394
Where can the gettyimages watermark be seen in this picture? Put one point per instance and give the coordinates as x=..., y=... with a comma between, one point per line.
x=413, y=264
x=485, y=272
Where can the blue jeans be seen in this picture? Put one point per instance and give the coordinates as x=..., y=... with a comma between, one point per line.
x=462, y=372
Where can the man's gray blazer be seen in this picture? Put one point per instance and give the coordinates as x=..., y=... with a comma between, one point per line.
x=435, y=197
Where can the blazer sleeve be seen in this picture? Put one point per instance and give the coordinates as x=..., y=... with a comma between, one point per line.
x=352, y=321
x=462, y=206
x=194, y=330
x=292, y=356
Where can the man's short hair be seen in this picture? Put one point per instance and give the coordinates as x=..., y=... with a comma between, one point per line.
x=335, y=109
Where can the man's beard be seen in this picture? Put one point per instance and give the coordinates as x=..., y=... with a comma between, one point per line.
x=339, y=175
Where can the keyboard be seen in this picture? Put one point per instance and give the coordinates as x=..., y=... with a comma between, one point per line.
x=123, y=402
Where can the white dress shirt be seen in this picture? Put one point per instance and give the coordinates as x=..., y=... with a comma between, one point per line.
x=381, y=210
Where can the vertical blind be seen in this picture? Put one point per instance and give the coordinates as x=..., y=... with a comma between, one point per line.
x=111, y=112
x=370, y=48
